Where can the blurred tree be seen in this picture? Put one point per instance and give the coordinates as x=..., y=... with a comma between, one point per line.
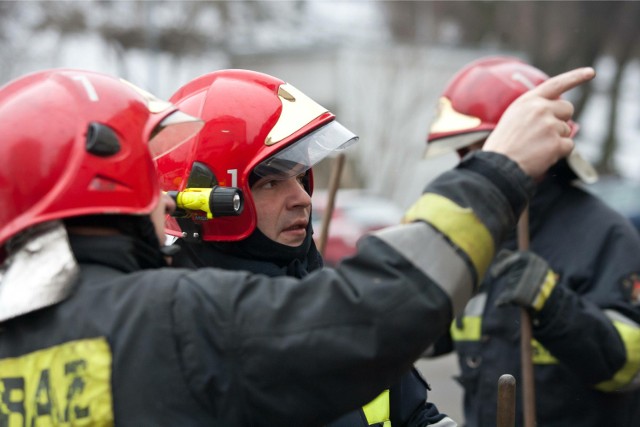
x=144, y=39
x=555, y=36
x=623, y=44
x=14, y=30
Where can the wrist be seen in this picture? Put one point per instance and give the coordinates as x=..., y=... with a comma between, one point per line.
x=545, y=290
x=516, y=186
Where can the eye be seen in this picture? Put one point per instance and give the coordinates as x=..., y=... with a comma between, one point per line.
x=300, y=178
x=268, y=184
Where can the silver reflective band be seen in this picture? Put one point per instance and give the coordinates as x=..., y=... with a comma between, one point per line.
x=431, y=253
x=307, y=151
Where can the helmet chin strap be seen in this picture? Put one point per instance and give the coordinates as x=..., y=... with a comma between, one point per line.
x=582, y=168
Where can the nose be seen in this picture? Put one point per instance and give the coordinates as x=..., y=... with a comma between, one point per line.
x=298, y=196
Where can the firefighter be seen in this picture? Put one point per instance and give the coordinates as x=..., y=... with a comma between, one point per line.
x=94, y=331
x=273, y=235
x=585, y=314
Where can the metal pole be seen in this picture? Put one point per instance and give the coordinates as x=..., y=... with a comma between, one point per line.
x=334, y=183
x=526, y=335
x=506, y=401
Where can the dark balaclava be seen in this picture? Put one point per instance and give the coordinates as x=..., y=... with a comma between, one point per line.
x=257, y=253
x=137, y=238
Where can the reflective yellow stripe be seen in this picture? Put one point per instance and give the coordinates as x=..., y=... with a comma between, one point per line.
x=378, y=410
x=459, y=224
x=545, y=290
x=471, y=329
x=540, y=355
x=630, y=335
x=64, y=385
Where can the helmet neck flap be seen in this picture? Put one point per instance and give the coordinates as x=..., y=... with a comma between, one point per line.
x=79, y=144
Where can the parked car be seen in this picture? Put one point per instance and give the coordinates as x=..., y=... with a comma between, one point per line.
x=355, y=213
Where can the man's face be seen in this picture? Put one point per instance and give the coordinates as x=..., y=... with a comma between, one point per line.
x=283, y=207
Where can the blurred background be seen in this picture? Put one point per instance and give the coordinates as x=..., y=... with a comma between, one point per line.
x=378, y=65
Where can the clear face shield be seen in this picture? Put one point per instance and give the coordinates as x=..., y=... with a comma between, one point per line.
x=173, y=131
x=300, y=156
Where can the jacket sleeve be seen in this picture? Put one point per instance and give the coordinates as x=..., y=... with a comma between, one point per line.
x=266, y=351
x=608, y=355
x=409, y=406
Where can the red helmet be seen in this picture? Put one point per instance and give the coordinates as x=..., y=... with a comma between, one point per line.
x=476, y=97
x=254, y=124
x=77, y=143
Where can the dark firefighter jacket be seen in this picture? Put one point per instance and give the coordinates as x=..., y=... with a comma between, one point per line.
x=210, y=347
x=404, y=404
x=586, y=347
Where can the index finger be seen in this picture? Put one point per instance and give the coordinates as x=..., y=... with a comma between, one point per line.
x=557, y=85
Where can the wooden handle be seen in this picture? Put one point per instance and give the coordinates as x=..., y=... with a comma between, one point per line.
x=526, y=335
x=334, y=183
x=506, y=401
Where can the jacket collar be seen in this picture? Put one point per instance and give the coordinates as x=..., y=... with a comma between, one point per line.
x=120, y=252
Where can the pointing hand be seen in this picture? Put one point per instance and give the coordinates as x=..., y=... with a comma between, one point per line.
x=533, y=131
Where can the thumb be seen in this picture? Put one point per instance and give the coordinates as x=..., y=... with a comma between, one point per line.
x=503, y=255
x=504, y=261
x=505, y=298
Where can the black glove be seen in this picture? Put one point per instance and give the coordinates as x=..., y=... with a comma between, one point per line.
x=529, y=279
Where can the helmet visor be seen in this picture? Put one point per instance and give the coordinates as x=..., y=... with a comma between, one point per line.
x=452, y=143
x=173, y=131
x=307, y=151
